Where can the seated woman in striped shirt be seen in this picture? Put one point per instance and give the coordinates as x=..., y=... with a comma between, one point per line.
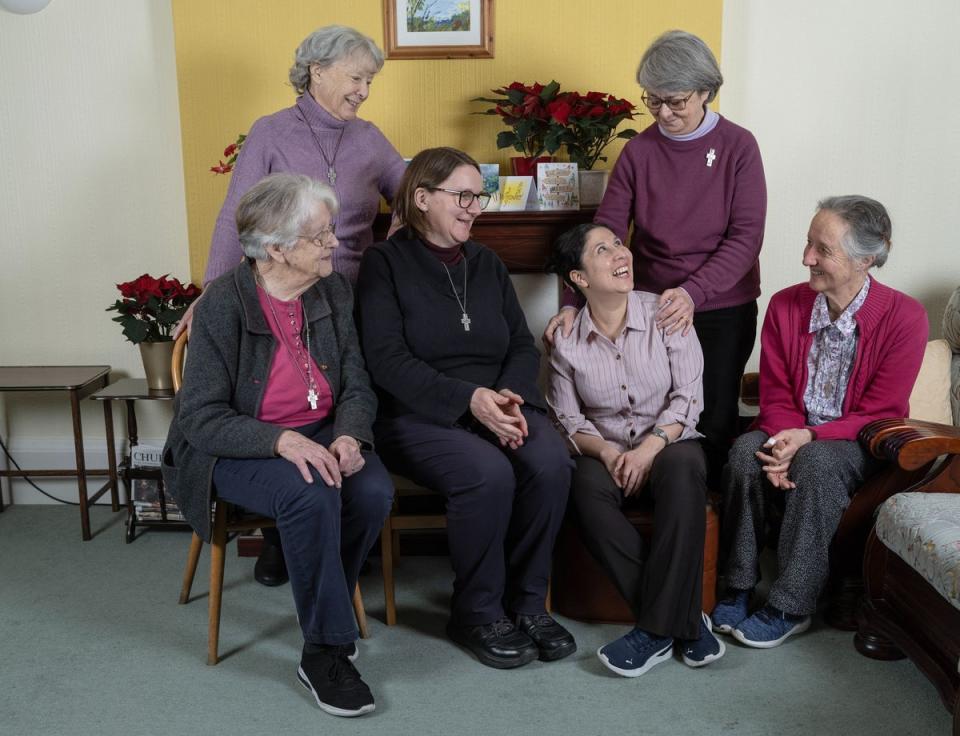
x=628, y=395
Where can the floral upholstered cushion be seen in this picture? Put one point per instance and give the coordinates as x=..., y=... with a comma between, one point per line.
x=923, y=529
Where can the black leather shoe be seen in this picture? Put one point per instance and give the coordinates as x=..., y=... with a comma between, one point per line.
x=498, y=645
x=270, y=568
x=552, y=640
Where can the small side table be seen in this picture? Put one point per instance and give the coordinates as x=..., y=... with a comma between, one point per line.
x=131, y=390
x=79, y=381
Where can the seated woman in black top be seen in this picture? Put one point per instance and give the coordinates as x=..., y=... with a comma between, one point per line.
x=455, y=368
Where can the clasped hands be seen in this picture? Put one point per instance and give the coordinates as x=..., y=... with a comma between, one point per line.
x=778, y=452
x=630, y=469
x=499, y=411
x=342, y=459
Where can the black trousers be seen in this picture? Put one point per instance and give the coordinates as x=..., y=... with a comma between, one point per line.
x=504, y=507
x=726, y=338
x=662, y=584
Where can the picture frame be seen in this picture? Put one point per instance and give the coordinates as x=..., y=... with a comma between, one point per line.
x=438, y=29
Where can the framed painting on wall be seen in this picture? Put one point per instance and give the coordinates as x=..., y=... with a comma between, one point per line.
x=438, y=29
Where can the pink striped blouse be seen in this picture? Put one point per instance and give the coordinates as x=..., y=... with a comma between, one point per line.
x=620, y=391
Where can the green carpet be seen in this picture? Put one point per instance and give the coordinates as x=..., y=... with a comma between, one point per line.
x=92, y=641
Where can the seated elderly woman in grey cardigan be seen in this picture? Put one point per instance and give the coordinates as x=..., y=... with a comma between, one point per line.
x=275, y=416
x=628, y=395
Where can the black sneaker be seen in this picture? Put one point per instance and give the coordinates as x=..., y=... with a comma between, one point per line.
x=334, y=681
x=553, y=641
x=270, y=568
x=500, y=644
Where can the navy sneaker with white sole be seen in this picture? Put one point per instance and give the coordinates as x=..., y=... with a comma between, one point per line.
x=635, y=653
x=731, y=610
x=769, y=627
x=703, y=650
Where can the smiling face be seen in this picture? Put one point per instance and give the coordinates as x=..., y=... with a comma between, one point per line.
x=680, y=122
x=344, y=85
x=832, y=272
x=447, y=224
x=606, y=265
x=307, y=261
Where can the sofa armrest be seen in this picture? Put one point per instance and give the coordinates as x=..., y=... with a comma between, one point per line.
x=910, y=443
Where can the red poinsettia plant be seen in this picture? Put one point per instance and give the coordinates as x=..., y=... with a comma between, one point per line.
x=542, y=119
x=230, y=153
x=150, y=307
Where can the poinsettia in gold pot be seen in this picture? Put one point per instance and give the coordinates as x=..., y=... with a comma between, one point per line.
x=148, y=311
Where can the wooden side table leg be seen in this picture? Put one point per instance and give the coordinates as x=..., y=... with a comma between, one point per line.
x=111, y=456
x=81, y=466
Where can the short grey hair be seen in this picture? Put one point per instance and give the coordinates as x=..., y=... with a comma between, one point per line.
x=868, y=226
x=326, y=46
x=275, y=209
x=678, y=61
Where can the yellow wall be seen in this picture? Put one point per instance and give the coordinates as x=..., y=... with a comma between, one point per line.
x=233, y=57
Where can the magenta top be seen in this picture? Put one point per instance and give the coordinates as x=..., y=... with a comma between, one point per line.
x=285, y=396
x=367, y=167
x=893, y=336
x=620, y=390
x=698, y=209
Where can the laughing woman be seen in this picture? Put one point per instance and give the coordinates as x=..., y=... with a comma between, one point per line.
x=628, y=394
x=455, y=366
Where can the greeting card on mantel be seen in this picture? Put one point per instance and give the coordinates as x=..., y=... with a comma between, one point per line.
x=491, y=184
x=514, y=191
x=558, y=186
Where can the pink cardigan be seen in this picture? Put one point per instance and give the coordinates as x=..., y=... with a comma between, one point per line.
x=893, y=336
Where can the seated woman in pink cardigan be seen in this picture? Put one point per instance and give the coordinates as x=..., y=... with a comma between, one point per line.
x=837, y=352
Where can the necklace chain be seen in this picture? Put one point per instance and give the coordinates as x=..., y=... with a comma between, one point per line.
x=329, y=161
x=465, y=318
x=312, y=395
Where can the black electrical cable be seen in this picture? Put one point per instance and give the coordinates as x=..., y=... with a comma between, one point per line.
x=17, y=466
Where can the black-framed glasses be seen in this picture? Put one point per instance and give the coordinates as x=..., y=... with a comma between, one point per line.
x=654, y=103
x=323, y=237
x=465, y=198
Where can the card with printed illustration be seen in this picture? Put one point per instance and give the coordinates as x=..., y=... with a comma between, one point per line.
x=558, y=186
x=514, y=192
x=491, y=184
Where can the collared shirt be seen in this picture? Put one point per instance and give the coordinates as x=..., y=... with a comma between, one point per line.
x=620, y=390
x=830, y=360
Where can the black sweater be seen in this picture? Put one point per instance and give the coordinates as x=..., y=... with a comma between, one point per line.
x=419, y=356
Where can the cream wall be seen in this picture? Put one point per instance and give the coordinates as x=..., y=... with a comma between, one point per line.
x=91, y=194
x=820, y=84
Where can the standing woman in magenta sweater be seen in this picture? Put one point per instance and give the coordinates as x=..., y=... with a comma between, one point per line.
x=837, y=352
x=693, y=188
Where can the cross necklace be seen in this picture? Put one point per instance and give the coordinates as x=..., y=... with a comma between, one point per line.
x=330, y=161
x=465, y=318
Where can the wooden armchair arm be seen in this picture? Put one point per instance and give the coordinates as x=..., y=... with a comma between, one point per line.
x=910, y=443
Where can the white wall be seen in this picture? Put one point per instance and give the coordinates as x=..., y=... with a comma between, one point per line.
x=91, y=194
x=853, y=96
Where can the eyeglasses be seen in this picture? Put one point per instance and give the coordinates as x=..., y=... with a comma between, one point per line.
x=655, y=103
x=324, y=237
x=465, y=198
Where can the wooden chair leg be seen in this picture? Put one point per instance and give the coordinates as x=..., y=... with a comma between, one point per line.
x=360, y=613
x=386, y=565
x=217, y=555
x=395, y=547
x=548, y=602
x=193, y=557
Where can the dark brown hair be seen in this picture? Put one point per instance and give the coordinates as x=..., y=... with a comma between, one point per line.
x=429, y=168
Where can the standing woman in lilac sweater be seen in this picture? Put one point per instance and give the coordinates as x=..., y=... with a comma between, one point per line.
x=693, y=188
x=322, y=137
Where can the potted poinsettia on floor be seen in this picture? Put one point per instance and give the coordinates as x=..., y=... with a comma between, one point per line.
x=148, y=311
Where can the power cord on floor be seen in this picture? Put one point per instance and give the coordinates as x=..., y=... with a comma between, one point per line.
x=30, y=481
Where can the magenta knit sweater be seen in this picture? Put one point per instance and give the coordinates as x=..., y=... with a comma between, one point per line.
x=696, y=225
x=367, y=166
x=893, y=335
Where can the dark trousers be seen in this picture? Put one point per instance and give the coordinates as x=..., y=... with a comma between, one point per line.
x=663, y=585
x=726, y=338
x=326, y=532
x=504, y=507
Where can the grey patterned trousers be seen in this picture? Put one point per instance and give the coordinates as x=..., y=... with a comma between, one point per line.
x=826, y=473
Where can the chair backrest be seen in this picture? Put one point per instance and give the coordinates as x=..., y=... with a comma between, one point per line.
x=176, y=362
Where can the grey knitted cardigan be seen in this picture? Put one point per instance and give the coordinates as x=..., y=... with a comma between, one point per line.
x=230, y=353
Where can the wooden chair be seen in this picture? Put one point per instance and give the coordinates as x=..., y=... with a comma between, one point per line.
x=227, y=520
x=399, y=520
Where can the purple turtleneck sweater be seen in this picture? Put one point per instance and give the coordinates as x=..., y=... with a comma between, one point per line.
x=698, y=209
x=367, y=166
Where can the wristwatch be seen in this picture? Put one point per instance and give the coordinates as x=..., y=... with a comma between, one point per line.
x=657, y=432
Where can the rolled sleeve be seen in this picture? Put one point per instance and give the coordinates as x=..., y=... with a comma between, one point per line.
x=564, y=402
x=686, y=372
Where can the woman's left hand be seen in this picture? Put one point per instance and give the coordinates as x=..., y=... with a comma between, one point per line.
x=513, y=409
x=780, y=451
x=633, y=467
x=675, y=311
x=347, y=451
